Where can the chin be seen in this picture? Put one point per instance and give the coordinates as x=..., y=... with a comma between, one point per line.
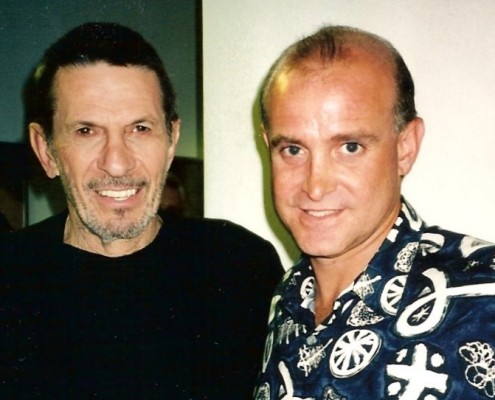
x=313, y=249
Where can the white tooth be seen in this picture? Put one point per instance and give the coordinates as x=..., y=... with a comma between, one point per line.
x=322, y=213
x=118, y=194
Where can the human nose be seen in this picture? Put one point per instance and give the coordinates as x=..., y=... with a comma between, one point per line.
x=117, y=157
x=321, y=178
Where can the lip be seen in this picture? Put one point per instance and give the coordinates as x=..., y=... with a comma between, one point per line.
x=118, y=195
x=321, y=213
x=121, y=196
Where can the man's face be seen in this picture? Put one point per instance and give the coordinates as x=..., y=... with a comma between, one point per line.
x=110, y=147
x=336, y=160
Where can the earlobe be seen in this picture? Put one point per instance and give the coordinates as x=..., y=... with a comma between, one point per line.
x=409, y=144
x=42, y=149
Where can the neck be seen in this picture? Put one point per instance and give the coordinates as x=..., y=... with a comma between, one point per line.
x=331, y=280
x=80, y=237
x=335, y=274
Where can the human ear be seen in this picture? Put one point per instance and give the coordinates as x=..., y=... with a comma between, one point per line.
x=408, y=145
x=41, y=148
x=173, y=139
x=264, y=133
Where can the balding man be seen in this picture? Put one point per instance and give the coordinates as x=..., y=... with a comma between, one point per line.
x=380, y=306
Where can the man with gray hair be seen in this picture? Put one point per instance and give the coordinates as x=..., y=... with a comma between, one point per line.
x=380, y=305
x=109, y=299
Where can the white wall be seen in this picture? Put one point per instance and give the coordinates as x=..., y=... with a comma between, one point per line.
x=449, y=46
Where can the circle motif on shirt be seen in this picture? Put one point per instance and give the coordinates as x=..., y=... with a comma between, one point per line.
x=392, y=294
x=353, y=352
x=307, y=287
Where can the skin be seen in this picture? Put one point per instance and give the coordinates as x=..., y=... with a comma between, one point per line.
x=112, y=151
x=337, y=164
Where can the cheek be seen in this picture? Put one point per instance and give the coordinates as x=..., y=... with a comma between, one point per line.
x=77, y=163
x=378, y=184
x=284, y=180
x=154, y=159
x=378, y=170
x=287, y=188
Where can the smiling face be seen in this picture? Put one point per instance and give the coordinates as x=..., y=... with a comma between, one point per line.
x=110, y=148
x=336, y=160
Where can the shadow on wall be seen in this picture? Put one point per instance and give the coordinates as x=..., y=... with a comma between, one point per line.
x=271, y=215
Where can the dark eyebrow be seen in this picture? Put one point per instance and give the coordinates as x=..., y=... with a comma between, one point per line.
x=146, y=118
x=355, y=137
x=73, y=125
x=277, y=139
x=358, y=136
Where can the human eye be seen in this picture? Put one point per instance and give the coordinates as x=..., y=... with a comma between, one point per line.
x=85, y=131
x=141, y=128
x=291, y=150
x=287, y=149
x=351, y=147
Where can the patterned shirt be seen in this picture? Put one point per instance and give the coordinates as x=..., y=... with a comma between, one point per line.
x=418, y=323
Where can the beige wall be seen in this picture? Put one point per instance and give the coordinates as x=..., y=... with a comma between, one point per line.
x=449, y=47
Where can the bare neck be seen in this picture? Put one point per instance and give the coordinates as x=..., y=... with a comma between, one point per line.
x=335, y=274
x=332, y=278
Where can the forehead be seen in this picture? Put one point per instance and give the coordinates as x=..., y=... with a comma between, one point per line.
x=363, y=82
x=87, y=78
x=101, y=93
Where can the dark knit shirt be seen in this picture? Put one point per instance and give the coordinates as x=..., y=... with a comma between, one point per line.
x=183, y=318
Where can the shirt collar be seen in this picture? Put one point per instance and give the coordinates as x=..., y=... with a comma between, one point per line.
x=393, y=258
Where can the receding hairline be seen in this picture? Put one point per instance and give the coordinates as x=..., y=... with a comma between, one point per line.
x=63, y=70
x=89, y=43
x=326, y=48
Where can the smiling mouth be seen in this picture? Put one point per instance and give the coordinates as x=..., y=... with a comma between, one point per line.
x=118, y=195
x=321, y=213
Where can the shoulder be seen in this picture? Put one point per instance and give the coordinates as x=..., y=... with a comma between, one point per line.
x=214, y=233
x=40, y=230
x=448, y=299
x=457, y=253
x=221, y=247
x=31, y=243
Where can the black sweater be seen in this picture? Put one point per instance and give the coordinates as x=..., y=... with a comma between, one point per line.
x=183, y=318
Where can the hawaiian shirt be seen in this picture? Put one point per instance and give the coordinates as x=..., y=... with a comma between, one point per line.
x=418, y=323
